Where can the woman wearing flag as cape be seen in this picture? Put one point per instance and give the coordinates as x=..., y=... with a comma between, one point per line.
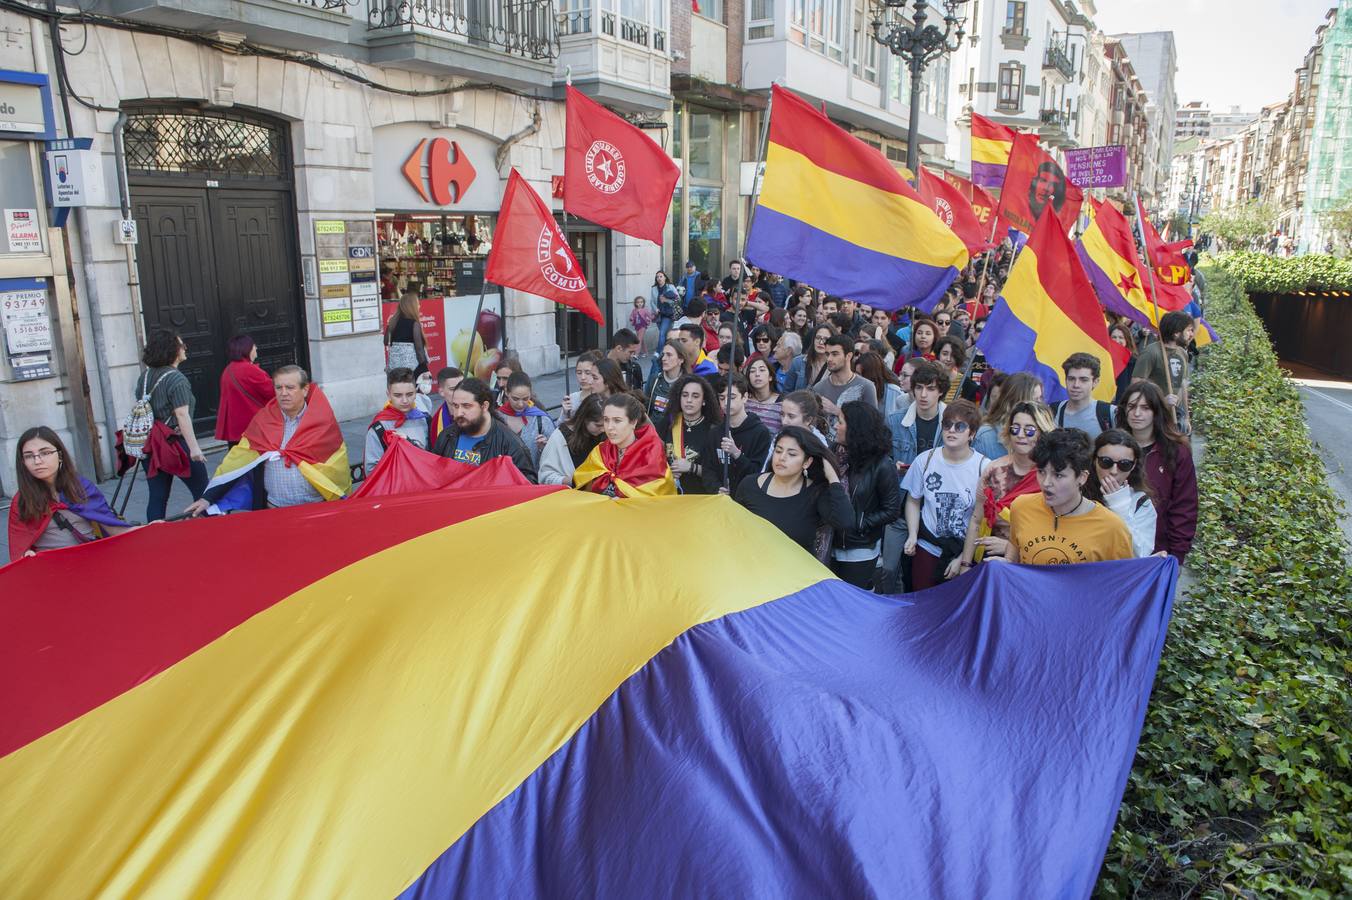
x=632, y=460
x=55, y=506
x=291, y=453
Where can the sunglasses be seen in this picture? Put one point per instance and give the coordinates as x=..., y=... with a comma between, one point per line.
x=1122, y=465
x=1028, y=431
x=959, y=427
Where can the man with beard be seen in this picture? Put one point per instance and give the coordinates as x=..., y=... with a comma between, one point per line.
x=1047, y=186
x=476, y=435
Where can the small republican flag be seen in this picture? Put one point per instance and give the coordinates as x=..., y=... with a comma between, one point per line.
x=530, y=254
x=613, y=173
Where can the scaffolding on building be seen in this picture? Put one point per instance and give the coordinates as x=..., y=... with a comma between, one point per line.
x=1329, y=176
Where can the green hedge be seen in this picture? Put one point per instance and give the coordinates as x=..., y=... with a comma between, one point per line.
x=1259, y=273
x=1242, y=783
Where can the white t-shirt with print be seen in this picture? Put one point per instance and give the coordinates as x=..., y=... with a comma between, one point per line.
x=947, y=493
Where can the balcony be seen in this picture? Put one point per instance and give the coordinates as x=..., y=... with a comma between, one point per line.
x=621, y=60
x=1014, y=38
x=287, y=24
x=509, y=41
x=1055, y=59
x=1056, y=128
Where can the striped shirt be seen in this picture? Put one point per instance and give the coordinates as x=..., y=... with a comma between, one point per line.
x=286, y=485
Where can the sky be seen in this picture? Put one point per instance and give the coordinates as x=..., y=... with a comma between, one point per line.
x=1230, y=52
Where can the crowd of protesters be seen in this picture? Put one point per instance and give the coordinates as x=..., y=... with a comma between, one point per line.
x=881, y=442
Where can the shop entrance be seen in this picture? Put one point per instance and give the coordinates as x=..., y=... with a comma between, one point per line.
x=591, y=246
x=211, y=194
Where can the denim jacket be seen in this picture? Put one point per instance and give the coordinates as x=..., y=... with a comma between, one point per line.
x=902, y=426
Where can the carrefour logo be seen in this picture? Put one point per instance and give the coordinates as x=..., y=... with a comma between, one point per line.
x=448, y=171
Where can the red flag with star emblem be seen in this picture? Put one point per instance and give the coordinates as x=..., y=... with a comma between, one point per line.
x=530, y=254
x=613, y=173
x=954, y=210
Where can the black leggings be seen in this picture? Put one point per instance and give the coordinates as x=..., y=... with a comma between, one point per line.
x=859, y=574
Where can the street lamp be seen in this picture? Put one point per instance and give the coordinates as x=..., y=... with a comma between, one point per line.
x=919, y=44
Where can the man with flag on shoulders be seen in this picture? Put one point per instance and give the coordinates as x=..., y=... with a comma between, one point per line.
x=400, y=415
x=291, y=453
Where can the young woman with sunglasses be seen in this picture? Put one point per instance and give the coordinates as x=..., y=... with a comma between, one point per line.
x=814, y=368
x=1005, y=480
x=1117, y=480
x=1168, y=466
x=941, y=489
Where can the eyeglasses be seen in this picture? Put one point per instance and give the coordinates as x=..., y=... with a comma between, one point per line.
x=41, y=454
x=1028, y=431
x=958, y=427
x=1123, y=465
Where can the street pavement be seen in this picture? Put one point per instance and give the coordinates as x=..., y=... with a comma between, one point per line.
x=548, y=388
x=1328, y=412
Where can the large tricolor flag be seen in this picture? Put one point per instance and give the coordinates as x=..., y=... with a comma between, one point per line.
x=1049, y=311
x=991, y=146
x=834, y=213
x=545, y=718
x=1107, y=250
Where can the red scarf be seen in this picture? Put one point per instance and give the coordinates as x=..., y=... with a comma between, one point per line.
x=317, y=438
x=992, y=507
x=644, y=460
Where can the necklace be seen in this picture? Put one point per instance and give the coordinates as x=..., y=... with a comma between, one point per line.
x=1056, y=519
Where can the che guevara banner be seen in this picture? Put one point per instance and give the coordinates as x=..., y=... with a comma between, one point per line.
x=479, y=694
x=1034, y=182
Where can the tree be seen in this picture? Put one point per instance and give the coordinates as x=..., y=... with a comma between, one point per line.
x=1338, y=221
x=1240, y=223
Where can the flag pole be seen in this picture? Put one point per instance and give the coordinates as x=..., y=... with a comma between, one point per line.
x=1150, y=272
x=474, y=333
x=567, y=382
x=985, y=269
x=751, y=218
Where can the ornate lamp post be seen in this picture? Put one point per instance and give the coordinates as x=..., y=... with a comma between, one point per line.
x=919, y=44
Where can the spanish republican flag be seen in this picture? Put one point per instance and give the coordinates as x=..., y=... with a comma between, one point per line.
x=1049, y=312
x=316, y=448
x=834, y=213
x=642, y=472
x=991, y=145
x=1107, y=250
x=590, y=719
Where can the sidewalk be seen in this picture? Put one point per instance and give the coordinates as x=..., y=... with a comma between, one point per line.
x=549, y=388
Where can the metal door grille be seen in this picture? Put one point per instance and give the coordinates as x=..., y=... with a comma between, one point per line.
x=223, y=145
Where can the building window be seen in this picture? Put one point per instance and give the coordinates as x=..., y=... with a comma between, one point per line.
x=897, y=153
x=1010, y=94
x=575, y=16
x=1014, y=17
x=760, y=20
x=706, y=145
x=819, y=26
x=864, y=52
x=710, y=9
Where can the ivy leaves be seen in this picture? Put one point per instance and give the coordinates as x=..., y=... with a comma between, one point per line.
x=1259, y=273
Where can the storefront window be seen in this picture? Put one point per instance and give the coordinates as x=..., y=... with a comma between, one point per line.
x=706, y=145
x=706, y=227
x=435, y=255
x=23, y=221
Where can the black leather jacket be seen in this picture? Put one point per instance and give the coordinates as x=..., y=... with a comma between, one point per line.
x=875, y=493
x=500, y=441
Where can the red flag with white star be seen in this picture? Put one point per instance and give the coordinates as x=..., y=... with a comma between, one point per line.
x=530, y=254
x=613, y=173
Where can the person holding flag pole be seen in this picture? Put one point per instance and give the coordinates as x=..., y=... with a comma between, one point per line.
x=1150, y=272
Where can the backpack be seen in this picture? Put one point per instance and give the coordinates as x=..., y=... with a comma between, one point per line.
x=138, y=423
x=1103, y=411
